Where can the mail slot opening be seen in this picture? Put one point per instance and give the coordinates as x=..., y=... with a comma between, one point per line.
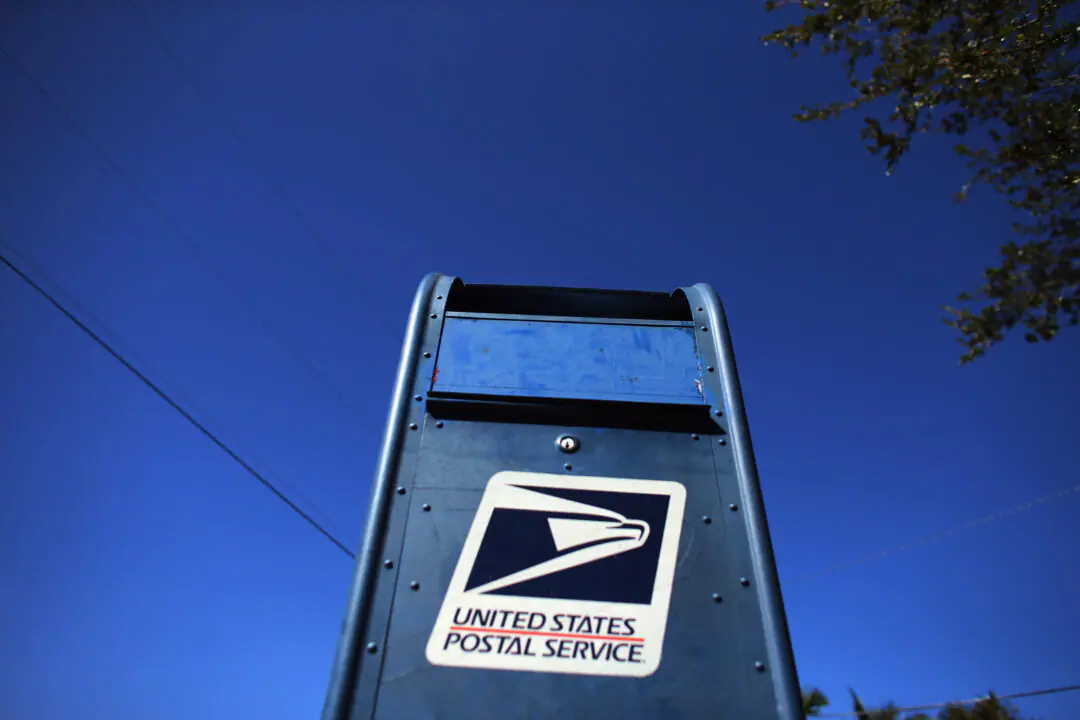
x=571, y=302
x=662, y=417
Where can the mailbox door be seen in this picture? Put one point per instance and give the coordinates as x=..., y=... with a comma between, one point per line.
x=707, y=665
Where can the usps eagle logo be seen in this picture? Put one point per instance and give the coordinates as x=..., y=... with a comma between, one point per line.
x=563, y=574
x=551, y=542
x=569, y=542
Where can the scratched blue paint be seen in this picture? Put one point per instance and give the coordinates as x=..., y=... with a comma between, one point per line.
x=540, y=358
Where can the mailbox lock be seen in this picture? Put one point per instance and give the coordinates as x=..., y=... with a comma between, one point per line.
x=568, y=443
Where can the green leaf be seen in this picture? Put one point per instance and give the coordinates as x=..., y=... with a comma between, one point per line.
x=1005, y=75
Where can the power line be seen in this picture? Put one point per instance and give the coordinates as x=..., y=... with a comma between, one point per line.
x=103, y=330
x=934, y=537
x=175, y=405
x=261, y=166
x=181, y=234
x=972, y=701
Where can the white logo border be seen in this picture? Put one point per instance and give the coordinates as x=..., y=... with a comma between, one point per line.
x=652, y=618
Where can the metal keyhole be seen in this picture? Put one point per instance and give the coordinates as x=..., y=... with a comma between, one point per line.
x=568, y=443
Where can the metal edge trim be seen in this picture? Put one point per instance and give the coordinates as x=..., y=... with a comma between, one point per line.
x=339, y=696
x=781, y=658
x=568, y=319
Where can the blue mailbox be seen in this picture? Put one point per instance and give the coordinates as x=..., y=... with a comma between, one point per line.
x=566, y=519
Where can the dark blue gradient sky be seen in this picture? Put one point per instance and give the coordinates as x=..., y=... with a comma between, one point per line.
x=145, y=575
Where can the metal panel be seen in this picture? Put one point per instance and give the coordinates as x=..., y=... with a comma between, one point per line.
x=526, y=357
x=726, y=652
x=351, y=690
x=717, y=350
x=462, y=456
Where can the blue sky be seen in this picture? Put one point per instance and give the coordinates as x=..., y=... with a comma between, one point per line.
x=263, y=277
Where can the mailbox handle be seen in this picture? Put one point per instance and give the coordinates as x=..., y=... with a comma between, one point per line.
x=566, y=412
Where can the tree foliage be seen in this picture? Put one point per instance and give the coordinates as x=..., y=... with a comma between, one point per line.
x=813, y=702
x=1000, y=75
x=989, y=708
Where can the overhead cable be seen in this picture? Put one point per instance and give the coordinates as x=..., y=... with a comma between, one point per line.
x=353, y=283
x=940, y=535
x=972, y=701
x=182, y=235
x=176, y=405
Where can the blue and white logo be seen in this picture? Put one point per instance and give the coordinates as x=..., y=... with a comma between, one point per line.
x=563, y=574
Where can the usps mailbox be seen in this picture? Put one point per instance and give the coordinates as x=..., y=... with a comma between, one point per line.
x=566, y=519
